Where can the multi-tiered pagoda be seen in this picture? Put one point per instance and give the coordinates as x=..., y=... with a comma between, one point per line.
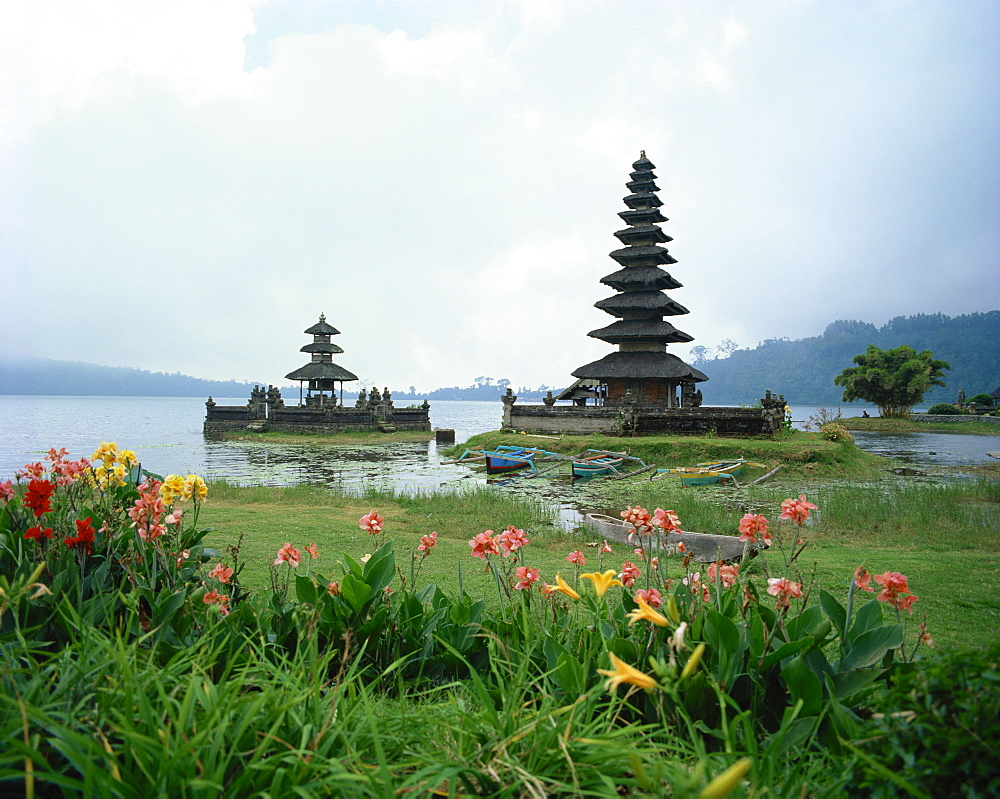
x=642, y=371
x=321, y=373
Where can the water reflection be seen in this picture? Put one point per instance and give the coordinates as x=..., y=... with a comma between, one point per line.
x=929, y=449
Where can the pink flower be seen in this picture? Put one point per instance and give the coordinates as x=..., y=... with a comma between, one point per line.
x=511, y=540
x=148, y=511
x=796, y=509
x=606, y=547
x=630, y=573
x=180, y=558
x=526, y=577
x=290, y=555
x=681, y=546
x=34, y=471
x=862, y=579
x=654, y=563
x=893, y=587
x=427, y=543
x=694, y=582
x=753, y=528
x=174, y=517
x=784, y=590
x=313, y=552
x=483, y=545
x=6, y=491
x=651, y=597
x=637, y=517
x=222, y=573
x=333, y=588
x=639, y=552
x=371, y=523
x=728, y=574
x=667, y=520
x=577, y=558
x=213, y=597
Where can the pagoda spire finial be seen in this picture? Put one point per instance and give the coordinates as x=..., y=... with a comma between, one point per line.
x=322, y=317
x=642, y=153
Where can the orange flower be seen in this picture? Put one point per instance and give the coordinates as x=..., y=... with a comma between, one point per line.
x=622, y=672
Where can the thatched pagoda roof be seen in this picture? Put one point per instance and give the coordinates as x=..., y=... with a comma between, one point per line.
x=322, y=328
x=655, y=301
x=640, y=330
x=322, y=347
x=642, y=199
x=639, y=365
x=644, y=254
x=323, y=370
x=642, y=216
x=642, y=234
x=640, y=278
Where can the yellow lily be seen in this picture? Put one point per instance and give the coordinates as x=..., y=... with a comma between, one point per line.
x=644, y=611
x=623, y=672
x=693, y=661
x=724, y=784
x=563, y=587
x=603, y=581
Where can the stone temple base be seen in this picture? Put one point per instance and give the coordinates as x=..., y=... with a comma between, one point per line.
x=640, y=420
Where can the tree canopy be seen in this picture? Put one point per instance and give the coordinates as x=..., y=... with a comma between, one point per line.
x=895, y=380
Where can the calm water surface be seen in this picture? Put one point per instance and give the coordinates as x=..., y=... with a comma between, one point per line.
x=165, y=432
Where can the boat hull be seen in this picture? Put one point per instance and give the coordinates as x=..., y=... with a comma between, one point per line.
x=597, y=467
x=509, y=461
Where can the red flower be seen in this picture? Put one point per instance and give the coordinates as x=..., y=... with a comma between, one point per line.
x=38, y=532
x=38, y=496
x=84, y=537
x=893, y=587
x=427, y=543
x=862, y=579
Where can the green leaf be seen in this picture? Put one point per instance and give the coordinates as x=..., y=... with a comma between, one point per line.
x=869, y=648
x=355, y=592
x=834, y=611
x=721, y=633
x=306, y=589
x=380, y=568
x=785, y=651
x=803, y=684
x=868, y=618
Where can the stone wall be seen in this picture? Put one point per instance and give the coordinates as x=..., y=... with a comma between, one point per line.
x=926, y=417
x=236, y=418
x=628, y=420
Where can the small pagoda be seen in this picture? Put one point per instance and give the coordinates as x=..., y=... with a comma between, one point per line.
x=641, y=371
x=321, y=373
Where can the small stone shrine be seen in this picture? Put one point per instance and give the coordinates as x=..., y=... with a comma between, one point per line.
x=320, y=410
x=640, y=388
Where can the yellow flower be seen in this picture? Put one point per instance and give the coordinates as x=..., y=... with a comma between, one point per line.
x=128, y=458
x=603, y=581
x=672, y=611
x=119, y=472
x=724, y=784
x=172, y=487
x=693, y=661
x=623, y=672
x=563, y=587
x=644, y=611
x=194, y=486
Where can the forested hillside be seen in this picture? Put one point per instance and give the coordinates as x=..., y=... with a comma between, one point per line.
x=803, y=370
x=72, y=378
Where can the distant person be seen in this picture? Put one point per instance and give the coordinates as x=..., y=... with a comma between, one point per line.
x=864, y=414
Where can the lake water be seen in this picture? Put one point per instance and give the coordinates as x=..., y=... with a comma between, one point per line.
x=166, y=433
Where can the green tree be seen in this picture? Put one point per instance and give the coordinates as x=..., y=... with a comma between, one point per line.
x=895, y=380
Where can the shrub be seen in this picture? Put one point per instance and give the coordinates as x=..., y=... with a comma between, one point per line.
x=982, y=399
x=836, y=432
x=944, y=409
x=935, y=729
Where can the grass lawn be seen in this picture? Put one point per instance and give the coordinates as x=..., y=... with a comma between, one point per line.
x=944, y=537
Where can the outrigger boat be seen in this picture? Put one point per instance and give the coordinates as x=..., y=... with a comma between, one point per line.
x=600, y=463
x=711, y=472
x=506, y=458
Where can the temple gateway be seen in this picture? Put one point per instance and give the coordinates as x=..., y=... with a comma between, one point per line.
x=640, y=387
x=320, y=410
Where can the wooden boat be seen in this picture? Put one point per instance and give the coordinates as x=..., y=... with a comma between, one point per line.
x=601, y=463
x=510, y=459
x=700, y=547
x=711, y=473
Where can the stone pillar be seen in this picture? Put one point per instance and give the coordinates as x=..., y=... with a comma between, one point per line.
x=508, y=401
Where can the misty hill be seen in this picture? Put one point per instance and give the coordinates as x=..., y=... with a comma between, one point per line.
x=803, y=370
x=73, y=378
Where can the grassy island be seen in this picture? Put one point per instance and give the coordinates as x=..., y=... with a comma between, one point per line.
x=967, y=426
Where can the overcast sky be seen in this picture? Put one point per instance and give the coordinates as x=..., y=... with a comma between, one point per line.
x=186, y=185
